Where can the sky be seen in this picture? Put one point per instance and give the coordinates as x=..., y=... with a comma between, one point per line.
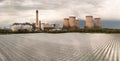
x=55, y=10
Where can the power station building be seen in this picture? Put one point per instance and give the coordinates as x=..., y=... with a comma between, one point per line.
x=47, y=27
x=21, y=27
x=71, y=23
x=97, y=23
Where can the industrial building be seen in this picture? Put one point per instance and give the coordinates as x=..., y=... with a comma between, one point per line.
x=71, y=23
x=21, y=26
x=47, y=27
x=97, y=23
x=89, y=22
x=37, y=26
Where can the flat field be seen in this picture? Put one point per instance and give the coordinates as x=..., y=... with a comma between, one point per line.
x=60, y=47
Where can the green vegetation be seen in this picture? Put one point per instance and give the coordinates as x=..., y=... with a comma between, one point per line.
x=60, y=31
x=8, y=31
x=105, y=30
x=5, y=31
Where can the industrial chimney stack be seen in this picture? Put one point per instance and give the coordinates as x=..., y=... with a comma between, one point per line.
x=37, y=20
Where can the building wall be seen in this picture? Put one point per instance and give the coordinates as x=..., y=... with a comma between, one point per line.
x=89, y=22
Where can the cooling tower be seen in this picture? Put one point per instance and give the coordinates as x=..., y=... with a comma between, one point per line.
x=72, y=22
x=77, y=24
x=97, y=23
x=66, y=23
x=89, y=22
x=37, y=22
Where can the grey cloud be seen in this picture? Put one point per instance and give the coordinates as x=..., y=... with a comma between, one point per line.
x=75, y=7
x=47, y=4
x=1, y=1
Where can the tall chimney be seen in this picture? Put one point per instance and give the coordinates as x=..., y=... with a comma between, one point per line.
x=37, y=20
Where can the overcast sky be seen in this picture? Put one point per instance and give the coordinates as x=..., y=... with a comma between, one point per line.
x=54, y=10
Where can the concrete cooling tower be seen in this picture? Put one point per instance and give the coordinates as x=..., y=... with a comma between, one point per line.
x=97, y=23
x=72, y=22
x=77, y=24
x=89, y=22
x=66, y=23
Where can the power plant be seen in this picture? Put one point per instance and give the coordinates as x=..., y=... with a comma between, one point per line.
x=97, y=23
x=71, y=24
x=89, y=22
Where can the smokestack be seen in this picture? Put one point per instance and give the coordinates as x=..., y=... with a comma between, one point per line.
x=72, y=22
x=39, y=24
x=66, y=23
x=89, y=22
x=42, y=26
x=37, y=20
x=97, y=23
